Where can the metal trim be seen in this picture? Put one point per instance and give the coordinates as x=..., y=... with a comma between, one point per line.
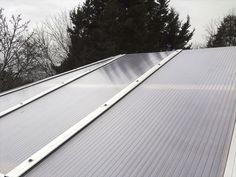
x=40, y=95
x=2, y=175
x=67, y=135
x=53, y=77
x=230, y=168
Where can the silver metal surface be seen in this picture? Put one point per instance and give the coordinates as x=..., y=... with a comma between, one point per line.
x=177, y=123
x=54, y=88
x=35, y=125
x=63, y=138
x=14, y=97
x=53, y=77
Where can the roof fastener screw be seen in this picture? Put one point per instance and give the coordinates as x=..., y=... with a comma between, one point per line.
x=30, y=160
x=137, y=80
x=105, y=104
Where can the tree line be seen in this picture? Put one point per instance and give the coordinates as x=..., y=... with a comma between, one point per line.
x=30, y=55
x=95, y=30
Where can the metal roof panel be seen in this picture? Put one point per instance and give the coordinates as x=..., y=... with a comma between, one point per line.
x=26, y=130
x=179, y=122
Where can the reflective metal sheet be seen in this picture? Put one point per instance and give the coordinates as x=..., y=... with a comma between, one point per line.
x=9, y=100
x=36, y=124
x=178, y=123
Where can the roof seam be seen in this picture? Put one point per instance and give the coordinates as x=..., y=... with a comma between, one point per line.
x=71, y=132
x=230, y=167
x=53, y=77
x=44, y=93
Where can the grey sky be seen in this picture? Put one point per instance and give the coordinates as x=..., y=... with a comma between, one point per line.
x=202, y=12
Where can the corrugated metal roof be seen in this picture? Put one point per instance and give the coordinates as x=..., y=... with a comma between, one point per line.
x=178, y=123
x=35, y=125
x=16, y=96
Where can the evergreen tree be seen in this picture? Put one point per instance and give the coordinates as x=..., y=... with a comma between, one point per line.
x=103, y=28
x=225, y=34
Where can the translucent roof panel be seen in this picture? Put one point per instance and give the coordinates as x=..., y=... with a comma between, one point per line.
x=11, y=99
x=178, y=123
x=38, y=123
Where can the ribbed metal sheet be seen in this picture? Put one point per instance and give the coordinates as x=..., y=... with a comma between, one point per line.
x=8, y=100
x=38, y=123
x=178, y=123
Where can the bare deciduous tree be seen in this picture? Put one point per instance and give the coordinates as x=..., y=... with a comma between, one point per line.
x=54, y=32
x=13, y=38
x=24, y=56
x=211, y=29
x=40, y=46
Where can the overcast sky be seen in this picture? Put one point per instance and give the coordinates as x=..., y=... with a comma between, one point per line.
x=202, y=12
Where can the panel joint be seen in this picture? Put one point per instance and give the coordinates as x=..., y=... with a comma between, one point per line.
x=58, y=86
x=33, y=160
x=55, y=76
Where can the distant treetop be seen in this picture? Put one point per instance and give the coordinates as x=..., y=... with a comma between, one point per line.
x=225, y=34
x=103, y=28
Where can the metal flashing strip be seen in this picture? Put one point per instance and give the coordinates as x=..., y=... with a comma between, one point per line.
x=67, y=135
x=36, y=97
x=2, y=175
x=58, y=75
x=230, y=169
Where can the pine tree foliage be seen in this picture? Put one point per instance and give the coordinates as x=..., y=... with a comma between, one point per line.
x=225, y=34
x=103, y=28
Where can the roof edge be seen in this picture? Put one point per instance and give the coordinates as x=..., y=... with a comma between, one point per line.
x=58, y=86
x=230, y=168
x=55, y=76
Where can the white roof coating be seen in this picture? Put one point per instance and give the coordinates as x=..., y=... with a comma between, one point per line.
x=178, y=121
